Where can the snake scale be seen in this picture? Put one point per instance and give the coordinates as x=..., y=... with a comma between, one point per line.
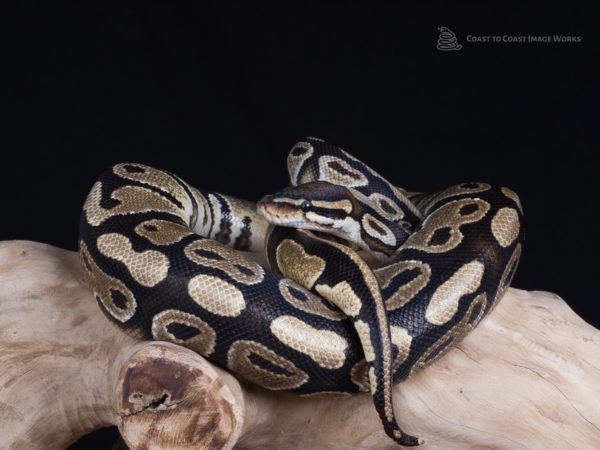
x=168, y=261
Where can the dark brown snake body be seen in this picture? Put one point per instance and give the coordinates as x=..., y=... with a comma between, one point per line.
x=158, y=255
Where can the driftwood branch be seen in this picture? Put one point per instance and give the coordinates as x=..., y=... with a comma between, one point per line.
x=527, y=377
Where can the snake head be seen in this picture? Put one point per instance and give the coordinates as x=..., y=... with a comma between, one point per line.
x=330, y=208
x=318, y=206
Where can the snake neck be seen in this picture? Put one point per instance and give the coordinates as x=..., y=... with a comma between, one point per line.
x=230, y=221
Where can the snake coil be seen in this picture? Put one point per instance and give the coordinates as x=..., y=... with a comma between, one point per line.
x=166, y=261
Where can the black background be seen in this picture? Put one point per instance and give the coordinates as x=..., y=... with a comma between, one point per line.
x=219, y=94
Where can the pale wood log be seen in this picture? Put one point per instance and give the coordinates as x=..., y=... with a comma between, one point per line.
x=527, y=377
x=66, y=370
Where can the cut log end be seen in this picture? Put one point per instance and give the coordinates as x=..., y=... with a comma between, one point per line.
x=163, y=385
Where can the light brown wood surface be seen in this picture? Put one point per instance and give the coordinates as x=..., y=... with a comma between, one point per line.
x=528, y=377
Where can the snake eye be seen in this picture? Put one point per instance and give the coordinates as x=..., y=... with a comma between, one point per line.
x=305, y=206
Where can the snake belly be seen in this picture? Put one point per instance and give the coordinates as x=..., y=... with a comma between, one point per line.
x=164, y=262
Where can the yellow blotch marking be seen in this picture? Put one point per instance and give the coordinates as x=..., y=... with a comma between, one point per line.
x=408, y=290
x=454, y=191
x=311, y=303
x=162, y=232
x=156, y=178
x=505, y=226
x=298, y=265
x=444, y=302
x=148, y=268
x=447, y=216
x=229, y=261
x=216, y=295
x=338, y=171
x=104, y=285
x=378, y=230
x=390, y=211
x=131, y=200
x=239, y=361
x=296, y=161
x=203, y=343
x=306, y=339
x=343, y=296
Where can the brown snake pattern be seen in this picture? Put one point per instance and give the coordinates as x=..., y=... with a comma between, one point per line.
x=166, y=261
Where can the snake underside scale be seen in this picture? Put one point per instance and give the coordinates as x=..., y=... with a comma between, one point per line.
x=167, y=261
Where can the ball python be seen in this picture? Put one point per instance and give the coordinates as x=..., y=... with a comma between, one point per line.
x=168, y=261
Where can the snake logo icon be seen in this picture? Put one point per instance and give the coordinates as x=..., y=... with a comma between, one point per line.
x=447, y=40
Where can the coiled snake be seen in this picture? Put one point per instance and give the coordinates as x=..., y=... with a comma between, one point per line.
x=165, y=262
